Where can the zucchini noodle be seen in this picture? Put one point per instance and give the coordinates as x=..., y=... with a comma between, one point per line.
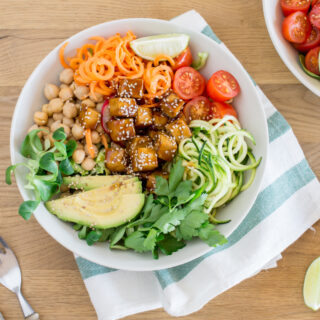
x=215, y=160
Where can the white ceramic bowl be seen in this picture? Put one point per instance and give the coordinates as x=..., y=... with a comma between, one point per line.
x=247, y=104
x=273, y=16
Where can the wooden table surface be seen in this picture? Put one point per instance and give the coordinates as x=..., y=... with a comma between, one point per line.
x=29, y=29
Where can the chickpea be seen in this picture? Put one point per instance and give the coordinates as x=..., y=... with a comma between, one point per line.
x=66, y=93
x=95, y=150
x=50, y=122
x=79, y=146
x=81, y=92
x=66, y=76
x=68, y=122
x=95, y=137
x=87, y=103
x=63, y=85
x=55, y=126
x=47, y=109
x=78, y=106
x=88, y=164
x=57, y=116
x=45, y=129
x=99, y=106
x=77, y=132
x=40, y=118
x=78, y=156
x=51, y=91
x=98, y=98
x=70, y=110
x=99, y=128
x=56, y=105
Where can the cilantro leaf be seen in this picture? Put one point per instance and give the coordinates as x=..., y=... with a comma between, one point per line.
x=190, y=225
x=170, y=244
x=117, y=235
x=183, y=192
x=176, y=174
x=27, y=207
x=168, y=221
x=83, y=232
x=136, y=241
x=93, y=237
x=150, y=241
x=162, y=188
x=211, y=236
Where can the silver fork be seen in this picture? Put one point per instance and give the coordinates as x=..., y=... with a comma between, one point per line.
x=10, y=277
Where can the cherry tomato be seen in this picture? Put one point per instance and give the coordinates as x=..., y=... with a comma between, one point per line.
x=221, y=109
x=296, y=27
x=198, y=108
x=222, y=86
x=312, y=60
x=290, y=6
x=314, y=15
x=188, y=83
x=184, y=59
x=312, y=41
x=314, y=2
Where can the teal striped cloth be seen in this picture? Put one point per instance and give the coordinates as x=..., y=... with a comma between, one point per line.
x=287, y=205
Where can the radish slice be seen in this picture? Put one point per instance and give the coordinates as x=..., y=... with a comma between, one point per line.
x=105, y=115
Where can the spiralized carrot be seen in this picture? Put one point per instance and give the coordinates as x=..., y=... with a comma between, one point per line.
x=100, y=66
x=104, y=142
x=89, y=143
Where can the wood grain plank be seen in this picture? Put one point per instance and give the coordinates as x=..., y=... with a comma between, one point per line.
x=30, y=29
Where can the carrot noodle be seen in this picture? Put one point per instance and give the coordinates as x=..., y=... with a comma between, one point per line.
x=100, y=66
x=104, y=142
x=89, y=143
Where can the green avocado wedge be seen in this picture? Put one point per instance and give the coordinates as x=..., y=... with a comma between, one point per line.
x=94, y=182
x=103, y=208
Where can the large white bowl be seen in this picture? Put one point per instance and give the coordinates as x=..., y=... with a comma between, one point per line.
x=273, y=16
x=247, y=104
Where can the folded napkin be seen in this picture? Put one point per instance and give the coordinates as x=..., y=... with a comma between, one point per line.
x=287, y=205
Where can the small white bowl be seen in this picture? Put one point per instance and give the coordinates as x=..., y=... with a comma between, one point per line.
x=273, y=16
x=251, y=116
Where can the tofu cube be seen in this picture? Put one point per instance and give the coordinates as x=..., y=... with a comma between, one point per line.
x=159, y=120
x=145, y=159
x=152, y=133
x=151, y=179
x=121, y=129
x=179, y=130
x=130, y=88
x=138, y=142
x=144, y=117
x=165, y=146
x=123, y=107
x=171, y=105
x=116, y=160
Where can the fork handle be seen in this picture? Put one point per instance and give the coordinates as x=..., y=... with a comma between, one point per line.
x=28, y=312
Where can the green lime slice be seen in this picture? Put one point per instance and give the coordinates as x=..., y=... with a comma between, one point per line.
x=311, y=287
x=169, y=44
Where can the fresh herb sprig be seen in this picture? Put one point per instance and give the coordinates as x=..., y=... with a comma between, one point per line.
x=45, y=166
x=169, y=218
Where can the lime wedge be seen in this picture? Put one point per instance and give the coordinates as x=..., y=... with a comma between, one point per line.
x=169, y=44
x=311, y=287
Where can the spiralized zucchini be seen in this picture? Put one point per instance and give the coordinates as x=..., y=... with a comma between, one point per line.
x=216, y=158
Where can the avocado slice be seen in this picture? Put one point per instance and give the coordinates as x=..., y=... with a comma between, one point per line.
x=103, y=208
x=94, y=182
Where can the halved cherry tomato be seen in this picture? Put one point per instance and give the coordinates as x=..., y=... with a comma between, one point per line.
x=314, y=15
x=222, y=86
x=188, y=83
x=184, y=59
x=314, y=2
x=312, y=41
x=312, y=60
x=198, y=108
x=290, y=6
x=296, y=27
x=221, y=109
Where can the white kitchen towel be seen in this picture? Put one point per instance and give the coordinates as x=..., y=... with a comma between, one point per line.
x=287, y=205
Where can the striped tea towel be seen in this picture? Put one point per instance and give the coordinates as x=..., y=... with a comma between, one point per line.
x=288, y=204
